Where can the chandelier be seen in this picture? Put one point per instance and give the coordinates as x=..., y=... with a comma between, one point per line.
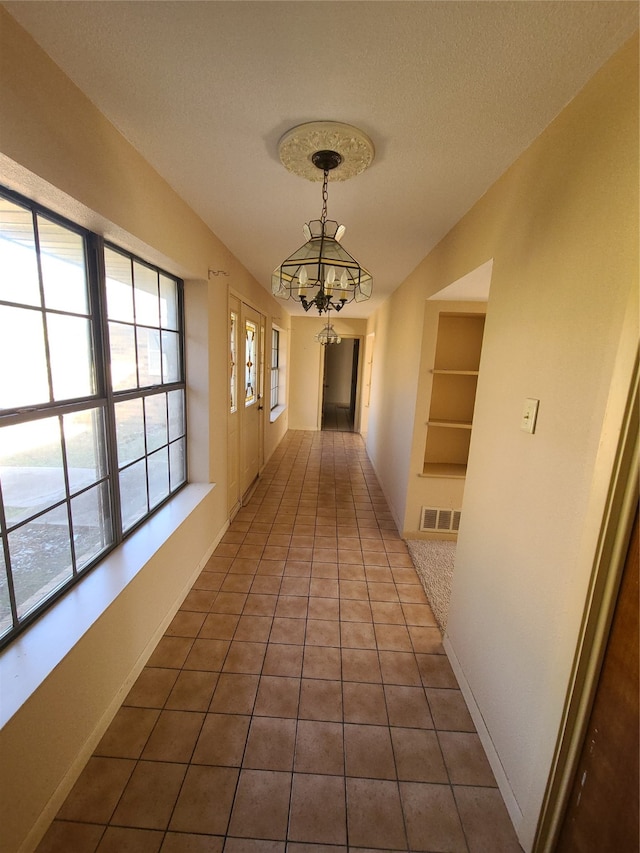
x=328, y=335
x=321, y=273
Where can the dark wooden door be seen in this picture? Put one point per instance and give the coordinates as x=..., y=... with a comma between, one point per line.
x=602, y=815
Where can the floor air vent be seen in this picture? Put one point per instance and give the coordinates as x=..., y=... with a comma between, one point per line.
x=440, y=520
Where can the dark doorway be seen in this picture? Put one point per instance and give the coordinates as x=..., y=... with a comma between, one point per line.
x=340, y=385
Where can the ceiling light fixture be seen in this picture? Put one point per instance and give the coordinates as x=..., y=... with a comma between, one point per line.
x=328, y=335
x=321, y=273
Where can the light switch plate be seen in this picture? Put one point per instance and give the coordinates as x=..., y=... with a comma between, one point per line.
x=529, y=415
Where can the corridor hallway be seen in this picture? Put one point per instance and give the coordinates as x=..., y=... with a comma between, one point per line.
x=300, y=700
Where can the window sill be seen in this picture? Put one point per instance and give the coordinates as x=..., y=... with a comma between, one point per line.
x=274, y=414
x=26, y=663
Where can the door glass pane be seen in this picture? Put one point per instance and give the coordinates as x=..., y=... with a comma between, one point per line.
x=40, y=558
x=133, y=493
x=177, y=463
x=250, y=362
x=31, y=471
x=149, y=361
x=83, y=435
x=91, y=518
x=147, y=304
x=18, y=261
x=233, y=358
x=22, y=344
x=176, y=414
x=168, y=303
x=63, y=267
x=158, y=476
x=119, y=286
x=170, y=357
x=129, y=431
x=6, y=620
x=70, y=356
x=122, y=344
x=155, y=409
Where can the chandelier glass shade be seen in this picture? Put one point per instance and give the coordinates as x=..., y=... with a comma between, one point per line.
x=321, y=274
x=328, y=335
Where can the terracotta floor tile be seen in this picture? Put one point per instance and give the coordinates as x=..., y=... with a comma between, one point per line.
x=319, y=748
x=277, y=697
x=293, y=585
x=418, y=756
x=321, y=662
x=97, y=791
x=353, y=589
x=72, y=837
x=389, y=612
x=128, y=733
x=376, y=573
x=192, y=691
x=435, y=671
x=253, y=628
x=266, y=584
x=360, y=665
x=364, y=703
x=210, y=580
x=253, y=845
x=321, y=569
x=383, y=592
x=393, y=638
x=322, y=632
x=151, y=793
x=485, y=820
x=222, y=740
x=432, y=819
x=357, y=635
x=292, y=606
x=235, y=693
x=320, y=700
x=399, y=668
x=229, y=602
x=207, y=655
x=239, y=582
x=351, y=572
x=426, y=639
x=205, y=800
x=283, y=659
x=174, y=736
x=245, y=657
x=219, y=626
x=465, y=759
x=121, y=840
x=186, y=623
x=261, y=805
x=374, y=814
x=368, y=752
x=271, y=568
x=324, y=608
x=270, y=744
x=287, y=630
x=258, y=604
x=318, y=809
x=152, y=688
x=244, y=566
x=418, y=614
x=324, y=587
x=407, y=706
x=449, y=710
x=171, y=652
x=184, y=842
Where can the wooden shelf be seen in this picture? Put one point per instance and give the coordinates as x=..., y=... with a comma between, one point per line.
x=441, y=422
x=444, y=469
x=455, y=372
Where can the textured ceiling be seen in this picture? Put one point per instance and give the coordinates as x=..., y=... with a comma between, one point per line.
x=450, y=93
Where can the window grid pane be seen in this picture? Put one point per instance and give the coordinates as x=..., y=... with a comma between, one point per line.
x=58, y=486
x=275, y=364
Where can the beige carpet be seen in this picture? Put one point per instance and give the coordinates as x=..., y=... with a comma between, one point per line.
x=434, y=561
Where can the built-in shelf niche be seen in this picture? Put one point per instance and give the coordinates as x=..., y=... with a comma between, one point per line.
x=453, y=394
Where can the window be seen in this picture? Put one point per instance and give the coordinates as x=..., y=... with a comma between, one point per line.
x=233, y=359
x=275, y=365
x=92, y=403
x=251, y=333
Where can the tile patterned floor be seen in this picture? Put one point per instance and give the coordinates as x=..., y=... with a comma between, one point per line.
x=301, y=700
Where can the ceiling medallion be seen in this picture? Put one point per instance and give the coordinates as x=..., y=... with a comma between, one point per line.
x=298, y=145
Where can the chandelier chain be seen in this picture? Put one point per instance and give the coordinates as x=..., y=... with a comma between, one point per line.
x=325, y=196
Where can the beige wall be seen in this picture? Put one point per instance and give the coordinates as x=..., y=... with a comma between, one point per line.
x=56, y=148
x=562, y=326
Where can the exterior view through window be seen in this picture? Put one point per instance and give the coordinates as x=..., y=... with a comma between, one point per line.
x=92, y=403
